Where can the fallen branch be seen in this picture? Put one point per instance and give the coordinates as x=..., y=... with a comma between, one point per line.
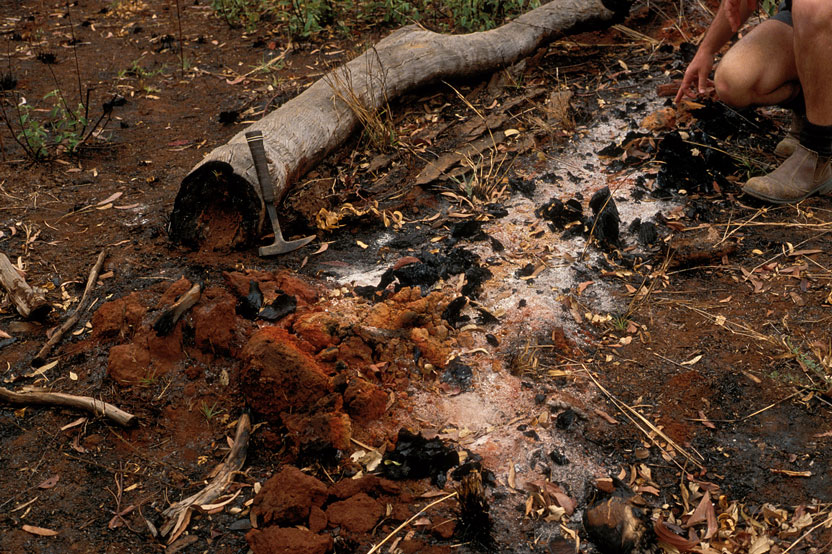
x=219, y=205
x=86, y=403
x=178, y=515
x=70, y=322
x=29, y=304
x=167, y=321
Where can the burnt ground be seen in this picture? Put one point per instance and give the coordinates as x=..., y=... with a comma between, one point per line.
x=678, y=359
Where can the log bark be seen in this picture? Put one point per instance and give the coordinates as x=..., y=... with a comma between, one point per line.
x=27, y=302
x=219, y=205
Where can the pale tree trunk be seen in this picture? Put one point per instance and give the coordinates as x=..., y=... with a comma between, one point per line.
x=219, y=205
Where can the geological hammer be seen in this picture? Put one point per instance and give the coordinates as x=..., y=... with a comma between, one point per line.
x=264, y=179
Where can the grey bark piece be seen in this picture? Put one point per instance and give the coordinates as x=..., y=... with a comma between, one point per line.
x=300, y=133
x=27, y=302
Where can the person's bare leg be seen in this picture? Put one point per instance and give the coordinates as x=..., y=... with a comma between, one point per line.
x=813, y=52
x=760, y=69
x=807, y=171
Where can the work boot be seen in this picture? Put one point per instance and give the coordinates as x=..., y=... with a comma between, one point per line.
x=801, y=175
x=786, y=147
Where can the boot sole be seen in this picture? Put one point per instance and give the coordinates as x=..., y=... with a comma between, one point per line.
x=824, y=189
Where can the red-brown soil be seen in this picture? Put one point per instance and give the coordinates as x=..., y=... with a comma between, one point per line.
x=717, y=334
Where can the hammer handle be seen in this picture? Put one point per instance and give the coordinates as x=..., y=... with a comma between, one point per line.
x=261, y=165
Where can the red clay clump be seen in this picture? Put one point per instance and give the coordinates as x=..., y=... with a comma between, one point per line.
x=357, y=514
x=370, y=484
x=128, y=364
x=177, y=289
x=288, y=497
x=364, y=401
x=318, y=435
x=320, y=329
x=271, y=285
x=118, y=318
x=279, y=540
x=278, y=376
x=215, y=321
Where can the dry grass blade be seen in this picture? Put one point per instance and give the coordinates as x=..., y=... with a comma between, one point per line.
x=630, y=413
x=732, y=326
x=635, y=35
x=377, y=122
x=784, y=252
x=409, y=521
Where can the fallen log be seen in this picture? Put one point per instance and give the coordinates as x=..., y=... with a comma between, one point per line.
x=219, y=205
x=27, y=302
x=86, y=403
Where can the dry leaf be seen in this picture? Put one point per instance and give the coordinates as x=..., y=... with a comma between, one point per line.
x=692, y=361
x=606, y=417
x=42, y=369
x=666, y=535
x=705, y=420
x=605, y=484
x=40, y=531
x=704, y=512
x=760, y=545
x=790, y=473
x=75, y=423
x=582, y=286
x=111, y=198
x=51, y=482
x=512, y=477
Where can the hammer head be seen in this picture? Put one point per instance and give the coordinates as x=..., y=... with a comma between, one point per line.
x=281, y=246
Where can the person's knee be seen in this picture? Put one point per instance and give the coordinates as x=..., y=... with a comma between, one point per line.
x=732, y=86
x=812, y=17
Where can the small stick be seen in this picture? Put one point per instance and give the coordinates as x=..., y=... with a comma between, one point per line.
x=178, y=515
x=70, y=322
x=28, y=303
x=167, y=321
x=406, y=523
x=87, y=403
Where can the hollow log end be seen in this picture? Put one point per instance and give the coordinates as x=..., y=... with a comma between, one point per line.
x=619, y=7
x=215, y=209
x=40, y=311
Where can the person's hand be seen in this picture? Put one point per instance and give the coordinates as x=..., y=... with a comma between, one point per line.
x=733, y=11
x=697, y=79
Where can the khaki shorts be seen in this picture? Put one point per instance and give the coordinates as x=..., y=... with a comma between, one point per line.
x=784, y=12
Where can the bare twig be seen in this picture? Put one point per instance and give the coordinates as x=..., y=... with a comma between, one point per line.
x=86, y=403
x=181, y=51
x=178, y=515
x=406, y=523
x=70, y=322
